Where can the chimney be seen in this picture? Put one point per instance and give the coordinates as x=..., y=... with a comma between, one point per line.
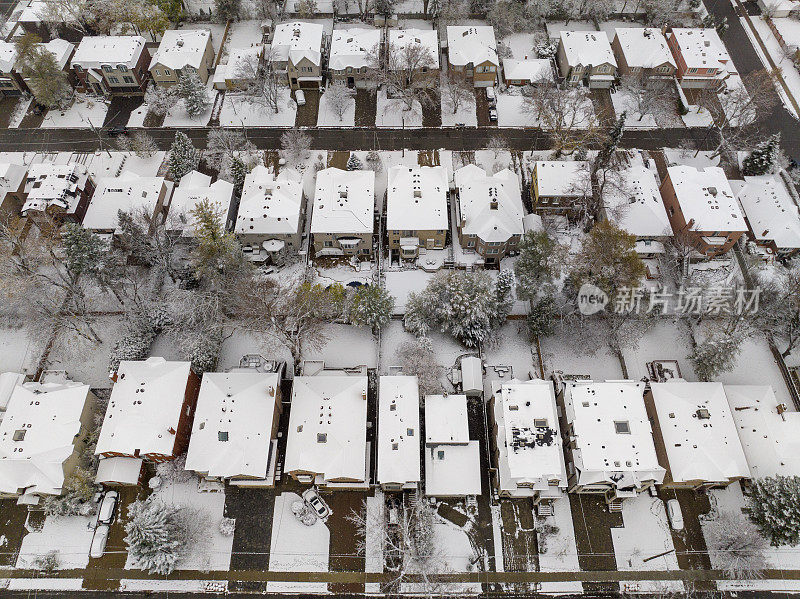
x=781, y=407
x=271, y=391
x=179, y=43
x=493, y=204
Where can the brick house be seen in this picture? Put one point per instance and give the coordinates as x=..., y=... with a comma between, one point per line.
x=642, y=51
x=472, y=50
x=702, y=59
x=58, y=191
x=112, y=65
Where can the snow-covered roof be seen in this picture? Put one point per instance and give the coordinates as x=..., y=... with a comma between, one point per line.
x=398, y=430
x=491, y=206
x=531, y=70
x=297, y=40
x=236, y=57
x=144, y=408
x=427, y=38
x=562, y=178
x=699, y=432
x=352, y=47
x=37, y=435
x=474, y=44
x=472, y=374
x=528, y=437
x=770, y=439
x=644, y=47
x=584, y=48
x=327, y=427
x=33, y=11
x=61, y=49
x=453, y=470
x=636, y=205
x=702, y=48
x=195, y=187
x=344, y=201
x=95, y=51
x=233, y=423
x=770, y=210
x=705, y=197
x=11, y=178
x=119, y=470
x=180, y=48
x=8, y=382
x=270, y=205
x=54, y=184
x=129, y=192
x=8, y=56
x=446, y=419
x=612, y=433
x=416, y=198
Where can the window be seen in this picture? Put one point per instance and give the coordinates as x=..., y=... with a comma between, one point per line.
x=77, y=68
x=622, y=427
x=128, y=79
x=440, y=455
x=122, y=68
x=113, y=80
x=322, y=437
x=158, y=73
x=393, y=407
x=395, y=446
x=692, y=71
x=167, y=73
x=471, y=244
x=222, y=435
x=328, y=244
x=19, y=435
x=349, y=70
x=107, y=68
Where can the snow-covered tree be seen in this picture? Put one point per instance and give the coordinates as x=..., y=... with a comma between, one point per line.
x=404, y=70
x=224, y=146
x=157, y=535
x=456, y=89
x=217, y=250
x=43, y=75
x=418, y=358
x=194, y=94
x=504, y=294
x=566, y=113
x=140, y=143
x=716, y=354
x=227, y=526
x=160, y=99
x=129, y=17
x=338, y=98
x=237, y=173
x=763, y=159
x=496, y=143
x=539, y=264
x=183, y=156
x=415, y=319
x=779, y=312
x=773, y=503
x=174, y=471
x=138, y=336
x=354, y=163
x=546, y=49
x=227, y=10
x=47, y=563
x=374, y=161
x=735, y=546
x=77, y=495
x=648, y=96
x=260, y=81
x=372, y=307
x=296, y=146
x=307, y=8
x=542, y=316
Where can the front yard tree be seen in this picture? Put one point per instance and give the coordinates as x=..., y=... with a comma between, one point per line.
x=260, y=81
x=763, y=159
x=372, y=307
x=226, y=145
x=338, y=98
x=194, y=94
x=418, y=358
x=183, y=156
x=296, y=146
x=157, y=535
x=774, y=505
x=404, y=71
x=140, y=143
x=160, y=99
x=455, y=89
x=566, y=113
x=736, y=546
x=716, y=354
x=648, y=96
x=43, y=75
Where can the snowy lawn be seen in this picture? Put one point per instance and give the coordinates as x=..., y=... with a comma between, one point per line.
x=465, y=115
x=18, y=353
x=328, y=118
x=84, y=113
x=511, y=111
x=238, y=110
x=295, y=547
x=347, y=346
x=567, y=354
x=178, y=117
x=667, y=340
x=345, y=274
x=790, y=31
x=400, y=283
x=241, y=343
x=165, y=586
x=510, y=347
x=374, y=542
x=70, y=536
x=697, y=117
x=701, y=159
x=561, y=554
x=393, y=336
x=623, y=102
x=137, y=116
x=391, y=113
x=757, y=366
x=243, y=34
x=20, y=110
x=521, y=45
x=45, y=584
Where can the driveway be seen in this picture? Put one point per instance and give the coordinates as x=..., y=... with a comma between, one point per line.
x=603, y=107
x=432, y=110
x=482, y=108
x=120, y=109
x=12, y=529
x=7, y=108
x=307, y=114
x=366, y=108
x=593, y=523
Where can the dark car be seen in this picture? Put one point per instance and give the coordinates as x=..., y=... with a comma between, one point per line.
x=117, y=130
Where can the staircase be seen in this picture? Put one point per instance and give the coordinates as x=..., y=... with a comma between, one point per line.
x=544, y=509
x=615, y=506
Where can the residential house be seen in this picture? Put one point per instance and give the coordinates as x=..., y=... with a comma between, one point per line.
x=57, y=191
x=12, y=190
x=352, y=54
x=235, y=432
x=228, y=76
x=43, y=432
x=398, y=436
x=452, y=459
x=402, y=43
x=489, y=212
x=695, y=435
x=297, y=50
x=701, y=57
x=472, y=50
x=586, y=57
x=327, y=436
x=771, y=214
x=526, y=441
x=416, y=209
x=530, y=71
x=642, y=52
x=181, y=51
x=149, y=417
x=11, y=83
x=111, y=65
x=701, y=206
x=342, y=222
x=193, y=189
x=560, y=186
x=609, y=440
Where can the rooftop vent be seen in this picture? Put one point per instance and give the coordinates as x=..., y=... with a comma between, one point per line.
x=703, y=414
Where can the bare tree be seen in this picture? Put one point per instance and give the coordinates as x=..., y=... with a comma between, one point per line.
x=140, y=143
x=224, y=145
x=647, y=95
x=418, y=359
x=259, y=80
x=455, y=89
x=338, y=97
x=566, y=113
x=296, y=146
x=735, y=545
x=404, y=71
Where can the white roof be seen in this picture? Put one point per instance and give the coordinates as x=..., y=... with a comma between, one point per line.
x=45, y=417
x=702, y=48
x=61, y=49
x=770, y=440
x=54, y=184
x=699, y=433
x=351, y=47
x=145, y=407
x=770, y=210
x=471, y=374
x=477, y=191
x=344, y=202
x=193, y=189
x=181, y=48
x=562, y=178
x=532, y=69
x=270, y=206
x=398, y=430
x=128, y=192
x=232, y=429
x=644, y=47
x=11, y=178
x=453, y=470
x=427, y=38
x=297, y=40
x=474, y=44
x=597, y=411
x=446, y=419
x=587, y=48
x=122, y=470
x=8, y=56
x=327, y=427
x=639, y=205
x=416, y=198
x=8, y=382
x=95, y=51
x=528, y=436
x=705, y=196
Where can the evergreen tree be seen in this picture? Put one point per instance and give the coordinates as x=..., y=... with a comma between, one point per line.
x=183, y=156
x=542, y=317
x=763, y=159
x=217, y=250
x=194, y=94
x=538, y=264
x=372, y=307
x=156, y=535
x=354, y=163
x=227, y=10
x=715, y=355
x=374, y=161
x=504, y=294
x=774, y=505
x=238, y=172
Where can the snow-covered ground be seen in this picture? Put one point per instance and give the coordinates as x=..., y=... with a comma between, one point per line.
x=347, y=346
x=511, y=110
x=510, y=347
x=561, y=352
x=667, y=340
x=84, y=113
x=693, y=158
x=465, y=115
x=243, y=34
x=327, y=118
x=241, y=343
x=178, y=117
x=100, y=164
x=393, y=336
x=137, y=116
x=20, y=110
x=562, y=553
x=554, y=28
x=391, y=113
x=374, y=540
x=521, y=45
x=165, y=586
x=45, y=584
x=70, y=536
x=400, y=283
x=238, y=110
x=697, y=117
x=623, y=102
x=19, y=353
x=790, y=31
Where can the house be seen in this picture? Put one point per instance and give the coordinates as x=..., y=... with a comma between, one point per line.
x=235, y=430
x=352, y=53
x=398, y=436
x=132, y=193
x=695, y=434
x=228, y=76
x=327, y=436
x=452, y=459
x=586, y=57
x=530, y=71
x=609, y=439
x=767, y=430
x=270, y=219
x=149, y=417
x=342, y=221
x=700, y=205
x=771, y=214
x=12, y=189
x=416, y=209
x=559, y=186
x=42, y=434
x=194, y=188
x=58, y=191
x=489, y=212
x=402, y=44
x=526, y=440
x=111, y=64
x=472, y=50
x=297, y=50
x=701, y=57
x=12, y=82
x=180, y=51
x=642, y=52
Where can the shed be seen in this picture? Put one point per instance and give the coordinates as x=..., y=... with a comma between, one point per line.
x=472, y=376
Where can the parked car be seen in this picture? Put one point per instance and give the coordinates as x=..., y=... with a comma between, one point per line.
x=312, y=498
x=117, y=130
x=493, y=115
x=490, y=96
x=300, y=97
x=674, y=514
x=108, y=506
x=99, y=541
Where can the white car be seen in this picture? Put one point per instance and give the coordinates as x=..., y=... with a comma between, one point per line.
x=105, y=515
x=674, y=514
x=99, y=541
x=321, y=509
x=490, y=96
x=300, y=97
